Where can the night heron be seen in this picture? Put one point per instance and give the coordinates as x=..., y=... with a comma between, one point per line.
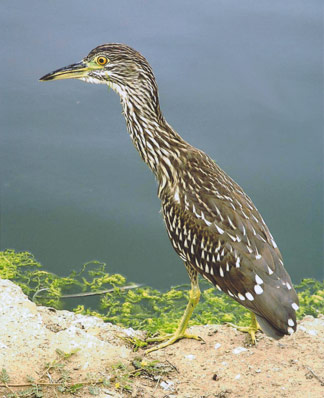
x=212, y=224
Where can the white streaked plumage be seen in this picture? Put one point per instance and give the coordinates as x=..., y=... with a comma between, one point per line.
x=193, y=189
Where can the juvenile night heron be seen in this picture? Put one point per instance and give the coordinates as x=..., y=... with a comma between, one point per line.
x=212, y=224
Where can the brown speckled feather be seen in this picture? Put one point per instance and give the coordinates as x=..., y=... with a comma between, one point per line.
x=212, y=224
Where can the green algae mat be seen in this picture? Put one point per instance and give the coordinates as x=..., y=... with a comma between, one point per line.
x=94, y=291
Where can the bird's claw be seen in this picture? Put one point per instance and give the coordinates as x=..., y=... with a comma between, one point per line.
x=251, y=330
x=169, y=339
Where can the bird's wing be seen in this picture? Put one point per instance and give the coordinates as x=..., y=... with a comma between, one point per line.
x=215, y=227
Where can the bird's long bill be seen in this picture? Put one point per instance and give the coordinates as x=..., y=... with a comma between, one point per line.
x=74, y=71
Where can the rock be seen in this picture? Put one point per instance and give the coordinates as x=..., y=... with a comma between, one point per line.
x=239, y=350
x=190, y=357
x=29, y=331
x=167, y=385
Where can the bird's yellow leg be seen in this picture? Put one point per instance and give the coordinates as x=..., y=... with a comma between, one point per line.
x=252, y=329
x=180, y=333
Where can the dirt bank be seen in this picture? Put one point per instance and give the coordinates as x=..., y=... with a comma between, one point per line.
x=63, y=348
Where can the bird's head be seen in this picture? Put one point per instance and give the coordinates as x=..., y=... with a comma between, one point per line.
x=117, y=65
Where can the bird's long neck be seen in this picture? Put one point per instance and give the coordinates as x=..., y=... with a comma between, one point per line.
x=158, y=144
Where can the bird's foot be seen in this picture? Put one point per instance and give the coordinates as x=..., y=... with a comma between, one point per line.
x=251, y=330
x=168, y=339
x=180, y=333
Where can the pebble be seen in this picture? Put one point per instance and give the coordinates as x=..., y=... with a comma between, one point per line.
x=130, y=332
x=217, y=345
x=109, y=394
x=238, y=350
x=190, y=357
x=167, y=385
x=311, y=332
x=237, y=377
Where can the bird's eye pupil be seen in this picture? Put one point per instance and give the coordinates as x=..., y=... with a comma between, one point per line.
x=102, y=60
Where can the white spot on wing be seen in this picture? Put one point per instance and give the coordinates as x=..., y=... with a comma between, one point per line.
x=258, y=256
x=232, y=237
x=258, y=289
x=220, y=230
x=294, y=306
x=231, y=222
x=291, y=322
x=249, y=296
x=221, y=272
x=237, y=264
x=290, y=330
x=207, y=222
x=270, y=270
x=258, y=280
x=218, y=246
x=241, y=297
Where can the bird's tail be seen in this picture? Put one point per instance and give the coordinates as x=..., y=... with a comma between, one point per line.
x=277, y=312
x=269, y=329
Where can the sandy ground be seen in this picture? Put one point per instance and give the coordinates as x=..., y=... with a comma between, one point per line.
x=223, y=365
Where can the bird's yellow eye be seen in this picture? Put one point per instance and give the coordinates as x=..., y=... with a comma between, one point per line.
x=101, y=60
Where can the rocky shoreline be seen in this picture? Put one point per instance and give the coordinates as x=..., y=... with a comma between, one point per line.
x=38, y=342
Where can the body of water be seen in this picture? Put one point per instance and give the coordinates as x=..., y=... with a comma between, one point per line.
x=242, y=80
